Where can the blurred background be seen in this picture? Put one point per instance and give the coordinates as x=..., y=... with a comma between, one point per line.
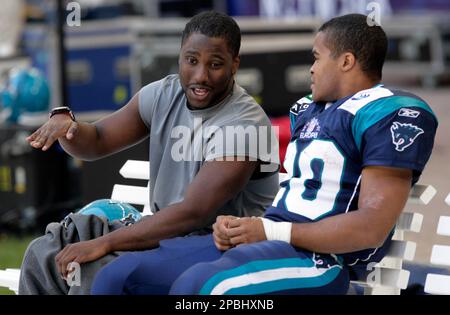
x=94, y=55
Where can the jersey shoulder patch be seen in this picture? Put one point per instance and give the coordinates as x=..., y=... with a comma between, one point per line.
x=363, y=98
x=301, y=105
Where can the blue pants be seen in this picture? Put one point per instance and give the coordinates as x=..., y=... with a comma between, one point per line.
x=193, y=265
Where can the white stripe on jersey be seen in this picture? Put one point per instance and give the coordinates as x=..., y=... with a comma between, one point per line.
x=269, y=275
x=361, y=99
x=354, y=194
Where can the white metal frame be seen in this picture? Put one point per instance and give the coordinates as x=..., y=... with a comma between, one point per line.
x=440, y=255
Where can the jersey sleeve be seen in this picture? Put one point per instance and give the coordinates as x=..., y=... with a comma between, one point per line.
x=402, y=139
x=299, y=107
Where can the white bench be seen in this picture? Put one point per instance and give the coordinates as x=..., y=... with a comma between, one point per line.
x=135, y=195
x=392, y=277
x=440, y=255
x=10, y=278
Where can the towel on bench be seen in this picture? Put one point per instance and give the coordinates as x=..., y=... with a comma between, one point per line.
x=39, y=274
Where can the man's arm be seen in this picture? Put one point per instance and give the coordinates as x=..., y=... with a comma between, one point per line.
x=215, y=184
x=383, y=195
x=89, y=142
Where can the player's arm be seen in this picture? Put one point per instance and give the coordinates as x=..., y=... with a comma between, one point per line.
x=88, y=141
x=384, y=192
x=215, y=184
x=383, y=195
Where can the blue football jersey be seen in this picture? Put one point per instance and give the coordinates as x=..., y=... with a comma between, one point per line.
x=332, y=143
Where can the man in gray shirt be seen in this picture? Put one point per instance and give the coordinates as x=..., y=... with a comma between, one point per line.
x=203, y=129
x=185, y=139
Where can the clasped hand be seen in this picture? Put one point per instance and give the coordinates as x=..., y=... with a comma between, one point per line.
x=230, y=231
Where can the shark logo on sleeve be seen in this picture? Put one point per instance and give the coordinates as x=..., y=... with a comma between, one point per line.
x=404, y=135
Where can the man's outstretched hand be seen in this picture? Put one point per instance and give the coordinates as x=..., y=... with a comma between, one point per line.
x=56, y=127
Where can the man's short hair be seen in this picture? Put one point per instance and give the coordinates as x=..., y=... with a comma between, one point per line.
x=215, y=24
x=352, y=33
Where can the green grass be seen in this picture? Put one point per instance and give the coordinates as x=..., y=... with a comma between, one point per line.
x=11, y=253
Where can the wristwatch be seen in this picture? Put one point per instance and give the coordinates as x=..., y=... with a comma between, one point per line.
x=62, y=110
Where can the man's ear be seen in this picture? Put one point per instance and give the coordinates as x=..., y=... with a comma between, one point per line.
x=348, y=61
x=236, y=64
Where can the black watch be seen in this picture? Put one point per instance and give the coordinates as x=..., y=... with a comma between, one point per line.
x=62, y=110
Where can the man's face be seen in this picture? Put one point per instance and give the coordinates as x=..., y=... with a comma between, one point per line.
x=207, y=69
x=324, y=72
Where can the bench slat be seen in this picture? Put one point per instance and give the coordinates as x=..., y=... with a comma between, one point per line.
x=10, y=280
x=395, y=278
x=147, y=210
x=440, y=255
x=136, y=170
x=437, y=284
x=421, y=194
x=131, y=194
x=13, y=271
x=402, y=249
x=444, y=226
x=392, y=278
x=409, y=221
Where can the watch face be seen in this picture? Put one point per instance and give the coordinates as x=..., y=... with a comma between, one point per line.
x=59, y=110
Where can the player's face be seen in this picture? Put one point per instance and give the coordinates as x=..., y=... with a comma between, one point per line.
x=324, y=71
x=207, y=69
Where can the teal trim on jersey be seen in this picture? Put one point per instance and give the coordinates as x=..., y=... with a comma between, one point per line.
x=254, y=266
x=292, y=117
x=288, y=284
x=375, y=111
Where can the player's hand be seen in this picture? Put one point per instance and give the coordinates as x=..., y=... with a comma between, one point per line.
x=220, y=231
x=58, y=126
x=79, y=253
x=246, y=231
